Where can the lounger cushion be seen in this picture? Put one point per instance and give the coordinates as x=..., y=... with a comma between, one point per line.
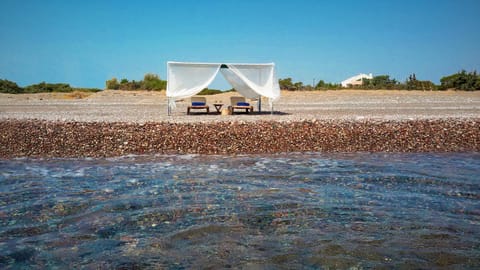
x=198, y=103
x=243, y=104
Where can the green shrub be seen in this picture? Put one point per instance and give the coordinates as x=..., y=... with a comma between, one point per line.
x=48, y=87
x=461, y=81
x=153, y=82
x=413, y=84
x=286, y=84
x=133, y=85
x=150, y=82
x=321, y=85
x=112, y=84
x=380, y=82
x=10, y=87
x=207, y=91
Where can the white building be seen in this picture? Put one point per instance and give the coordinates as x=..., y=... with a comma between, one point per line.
x=356, y=80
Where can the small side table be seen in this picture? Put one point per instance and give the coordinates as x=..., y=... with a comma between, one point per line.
x=218, y=106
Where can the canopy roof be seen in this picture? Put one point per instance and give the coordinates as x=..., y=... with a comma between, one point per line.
x=186, y=79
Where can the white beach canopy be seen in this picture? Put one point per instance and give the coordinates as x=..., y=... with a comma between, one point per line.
x=185, y=79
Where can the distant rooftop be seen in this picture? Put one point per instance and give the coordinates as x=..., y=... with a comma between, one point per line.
x=356, y=80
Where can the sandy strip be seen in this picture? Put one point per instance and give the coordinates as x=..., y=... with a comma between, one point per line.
x=143, y=106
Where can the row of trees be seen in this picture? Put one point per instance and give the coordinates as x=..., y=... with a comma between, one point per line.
x=462, y=80
x=10, y=87
x=150, y=82
x=288, y=84
x=385, y=82
x=459, y=81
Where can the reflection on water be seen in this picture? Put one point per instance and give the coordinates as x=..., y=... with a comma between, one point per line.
x=288, y=211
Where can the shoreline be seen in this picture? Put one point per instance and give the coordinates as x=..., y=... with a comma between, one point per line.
x=73, y=139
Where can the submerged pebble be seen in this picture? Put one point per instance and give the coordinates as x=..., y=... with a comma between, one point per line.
x=355, y=210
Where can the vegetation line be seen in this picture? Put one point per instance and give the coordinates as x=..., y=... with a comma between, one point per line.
x=467, y=81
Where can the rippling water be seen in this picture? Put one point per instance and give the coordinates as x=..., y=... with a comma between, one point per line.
x=279, y=211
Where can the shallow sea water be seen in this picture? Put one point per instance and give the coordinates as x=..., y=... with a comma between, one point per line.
x=301, y=211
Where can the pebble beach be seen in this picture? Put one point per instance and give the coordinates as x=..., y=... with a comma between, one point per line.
x=116, y=123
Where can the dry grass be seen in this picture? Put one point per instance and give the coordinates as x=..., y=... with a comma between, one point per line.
x=76, y=95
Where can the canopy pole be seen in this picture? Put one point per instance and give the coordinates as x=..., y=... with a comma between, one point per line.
x=169, y=110
x=168, y=86
x=271, y=105
x=259, y=104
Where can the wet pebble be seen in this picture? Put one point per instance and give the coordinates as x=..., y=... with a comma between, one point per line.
x=30, y=138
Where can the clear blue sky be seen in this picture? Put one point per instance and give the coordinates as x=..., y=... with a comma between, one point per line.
x=85, y=42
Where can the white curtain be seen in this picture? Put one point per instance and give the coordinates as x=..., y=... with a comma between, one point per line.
x=187, y=79
x=237, y=83
x=250, y=80
x=253, y=81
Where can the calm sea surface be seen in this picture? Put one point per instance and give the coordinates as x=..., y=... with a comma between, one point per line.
x=307, y=211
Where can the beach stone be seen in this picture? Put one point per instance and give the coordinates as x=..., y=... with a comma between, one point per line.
x=32, y=138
